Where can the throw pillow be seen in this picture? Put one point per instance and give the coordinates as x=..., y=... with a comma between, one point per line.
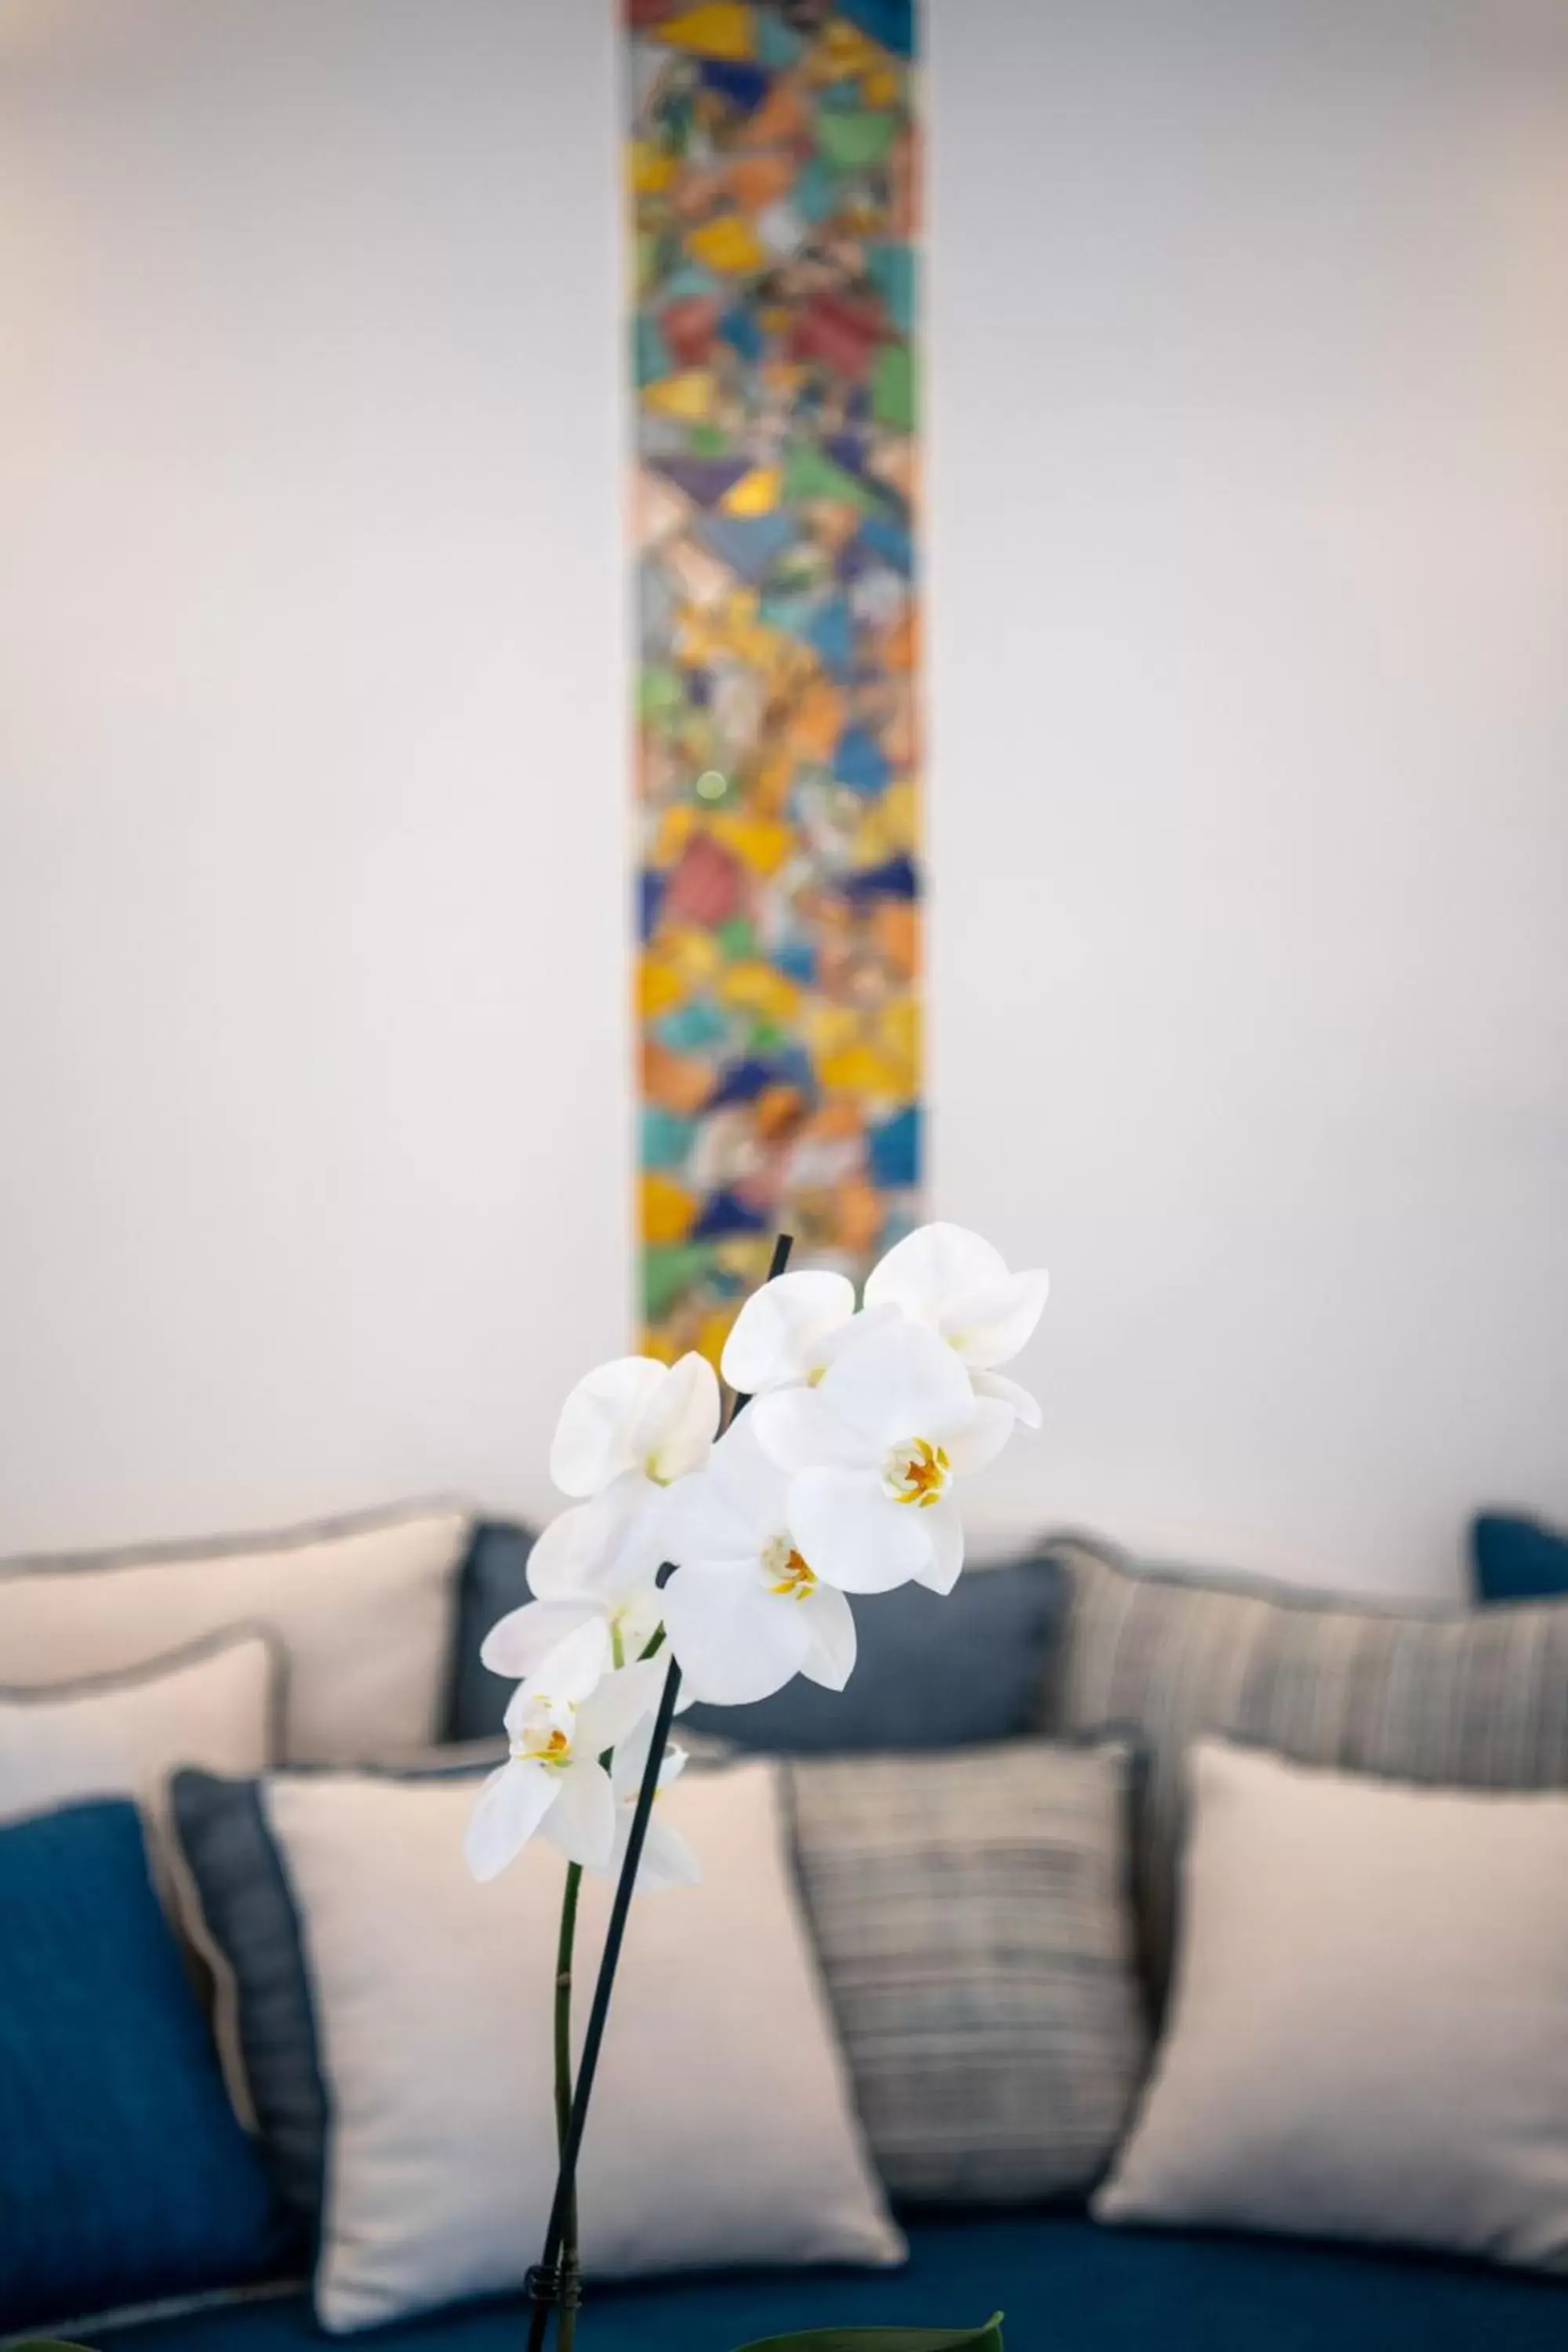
x=972, y=1918
x=123, y=2173
x=904, y=1694
x=494, y=1581
x=1369, y=2028
x=364, y=1611
x=723, y=2130
x=1457, y=1697
x=262, y=2012
x=215, y=1704
x=1516, y=1558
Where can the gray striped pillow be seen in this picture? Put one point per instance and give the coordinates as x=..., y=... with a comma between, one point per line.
x=971, y=1917
x=1445, y=1697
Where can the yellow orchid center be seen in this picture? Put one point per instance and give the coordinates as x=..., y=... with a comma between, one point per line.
x=542, y=1741
x=917, y=1472
x=790, y=1576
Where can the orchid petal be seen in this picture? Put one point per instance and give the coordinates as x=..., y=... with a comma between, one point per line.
x=734, y=1505
x=987, y=1326
x=997, y=1384
x=619, y=1702
x=777, y=1334
x=728, y=1511
x=639, y=1546
x=667, y=1859
x=565, y=1674
x=507, y=1810
x=593, y=1442
x=630, y=1761
x=945, y=1528
x=979, y=1437
x=742, y=1470
x=735, y=1641
x=852, y=1534
x=583, y=1822
x=599, y=1547
x=796, y=1430
x=901, y=1381
x=931, y=1267
x=522, y=1640
x=679, y=1424
x=564, y=1552
x=830, y=1622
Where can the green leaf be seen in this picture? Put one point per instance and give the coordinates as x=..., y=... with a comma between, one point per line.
x=887, y=2339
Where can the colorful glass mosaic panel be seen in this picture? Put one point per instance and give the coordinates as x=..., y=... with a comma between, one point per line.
x=774, y=161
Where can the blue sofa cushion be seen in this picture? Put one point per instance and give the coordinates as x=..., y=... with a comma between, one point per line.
x=932, y=1672
x=1516, y=1558
x=1065, y=2284
x=123, y=2173
x=494, y=1579
x=995, y=1629
x=248, y=1907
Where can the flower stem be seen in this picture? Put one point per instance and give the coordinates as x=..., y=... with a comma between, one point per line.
x=568, y=2321
x=561, y=2227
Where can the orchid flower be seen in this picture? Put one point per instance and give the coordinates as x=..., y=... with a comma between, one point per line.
x=559, y=1723
x=874, y=1450
x=666, y=1859
x=636, y=1414
x=598, y=1561
x=747, y=1608
x=788, y=1331
x=959, y=1286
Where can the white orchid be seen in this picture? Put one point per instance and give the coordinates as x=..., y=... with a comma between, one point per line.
x=666, y=1859
x=635, y=1416
x=788, y=1332
x=960, y=1287
x=747, y=1607
x=560, y=1722
x=598, y=1561
x=874, y=1450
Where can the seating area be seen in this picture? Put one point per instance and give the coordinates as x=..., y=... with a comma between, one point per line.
x=784, y=1067
x=990, y=1899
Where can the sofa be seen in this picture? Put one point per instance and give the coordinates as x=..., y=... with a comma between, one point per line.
x=1064, y=2279
x=1065, y=2283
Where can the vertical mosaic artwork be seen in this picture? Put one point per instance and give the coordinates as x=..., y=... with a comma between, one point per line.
x=773, y=157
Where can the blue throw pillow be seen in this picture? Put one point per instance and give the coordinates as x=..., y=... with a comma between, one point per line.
x=1516, y=1559
x=932, y=1672
x=123, y=2173
x=494, y=1581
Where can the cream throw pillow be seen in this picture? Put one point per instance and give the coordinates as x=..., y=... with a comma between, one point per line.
x=214, y=1706
x=1368, y=2034
x=364, y=1614
x=721, y=2131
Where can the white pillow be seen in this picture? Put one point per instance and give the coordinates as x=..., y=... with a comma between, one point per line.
x=721, y=2130
x=1368, y=2035
x=214, y=1706
x=365, y=1615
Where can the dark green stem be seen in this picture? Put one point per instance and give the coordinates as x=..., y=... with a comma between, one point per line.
x=567, y=2325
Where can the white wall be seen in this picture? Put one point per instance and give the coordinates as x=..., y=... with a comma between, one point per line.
x=1251, y=712
x=1250, y=998
x=311, y=797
